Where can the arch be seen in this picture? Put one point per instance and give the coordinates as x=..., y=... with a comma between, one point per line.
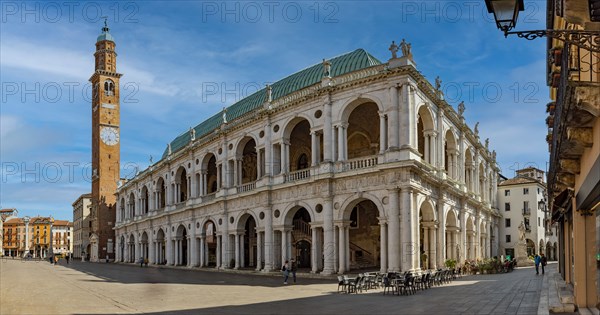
x=131, y=205
x=160, y=250
x=427, y=231
x=348, y=107
x=209, y=231
x=363, y=131
x=291, y=209
x=122, y=209
x=144, y=200
x=181, y=243
x=121, y=248
x=246, y=151
x=109, y=87
x=181, y=184
x=353, y=200
x=209, y=173
x=530, y=247
x=292, y=122
x=131, y=247
x=161, y=193
x=298, y=132
x=541, y=247
x=144, y=245
x=451, y=154
x=364, y=235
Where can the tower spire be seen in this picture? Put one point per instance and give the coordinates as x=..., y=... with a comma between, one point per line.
x=105, y=29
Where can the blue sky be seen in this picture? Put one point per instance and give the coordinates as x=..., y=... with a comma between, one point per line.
x=171, y=54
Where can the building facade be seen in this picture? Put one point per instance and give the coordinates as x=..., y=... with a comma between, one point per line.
x=521, y=200
x=574, y=143
x=27, y=235
x=62, y=237
x=81, y=226
x=347, y=164
x=5, y=214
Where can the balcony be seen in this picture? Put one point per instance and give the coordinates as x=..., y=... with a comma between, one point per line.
x=526, y=212
x=577, y=91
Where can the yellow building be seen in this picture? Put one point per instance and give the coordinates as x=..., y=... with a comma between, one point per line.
x=574, y=143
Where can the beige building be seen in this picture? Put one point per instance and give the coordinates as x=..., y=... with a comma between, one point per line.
x=574, y=142
x=81, y=226
x=522, y=200
x=62, y=237
x=347, y=164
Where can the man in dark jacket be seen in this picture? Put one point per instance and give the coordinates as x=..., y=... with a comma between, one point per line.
x=544, y=262
x=294, y=269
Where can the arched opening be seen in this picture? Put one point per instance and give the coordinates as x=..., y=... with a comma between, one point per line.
x=210, y=240
x=302, y=238
x=364, y=235
x=247, y=171
x=530, y=247
x=131, y=205
x=121, y=248
x=131, y=249
x=452, y=238
x=181, y=185
x=300, y=144
x=161, y=193
x=249, y=257
x=160, y=247
x=427, y=236
x=469, y=170
x=425, y=135
x=483, y=244
x=471, y=241
x=363, y=131
x=144, y=200
x=109, y=87
x=181, y=246
x=555, y=251
x=451, y=155
x=541, y=247
x=122, y=210
x=144, y=246
x=209, y=174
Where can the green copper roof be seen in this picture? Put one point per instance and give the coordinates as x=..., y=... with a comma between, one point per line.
x=105, y=33
x=349, y=62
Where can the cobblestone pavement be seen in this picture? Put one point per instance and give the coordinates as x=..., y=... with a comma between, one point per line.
x=90, y=288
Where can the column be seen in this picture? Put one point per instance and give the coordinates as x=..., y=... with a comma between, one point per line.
x=328, y=237
x=193, y=249
x=282, y=158
x=242, y=252
x=342, y=249
x=426, y=246
x=219, y=175
x=202, y=248
x=313, y=250
x=283, y=246
x=382, y=133
x=237, y=251
x=408, y=246
x=395, y=247
x=314, y=148
x=218, y=251
x=268, y=240
x=259, y=163
x=433, y=149
x=441, y=237
x=340, y=142
x=203, y=183
x=287, y=156
x=393, y=125
x=427, y=157
x=433, y=248
x=259, y=246
x=347, y=238
x=289, y=245
x=335, y=248
x=383, y=245
x=327, y=134
x=151, y=252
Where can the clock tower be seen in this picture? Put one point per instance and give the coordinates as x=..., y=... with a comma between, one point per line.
x=105, y=147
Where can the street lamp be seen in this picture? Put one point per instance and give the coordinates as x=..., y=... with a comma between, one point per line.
x=506, y=13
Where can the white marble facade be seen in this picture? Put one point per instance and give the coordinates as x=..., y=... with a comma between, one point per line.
x=369, y=168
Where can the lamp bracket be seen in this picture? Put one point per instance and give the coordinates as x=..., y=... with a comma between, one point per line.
x=589, y=40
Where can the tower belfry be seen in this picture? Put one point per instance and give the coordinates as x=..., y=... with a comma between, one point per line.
x=105, y=146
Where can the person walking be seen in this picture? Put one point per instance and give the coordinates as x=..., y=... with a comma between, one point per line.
x=286, y=272
x=544, y=262
x=67, y=258
x=537, y=261
x=141, y=262
x=294, y=269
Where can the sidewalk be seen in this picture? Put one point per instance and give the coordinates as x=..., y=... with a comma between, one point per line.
x=556, y=296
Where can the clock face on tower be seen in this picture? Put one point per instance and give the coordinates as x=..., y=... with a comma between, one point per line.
x=109, y=135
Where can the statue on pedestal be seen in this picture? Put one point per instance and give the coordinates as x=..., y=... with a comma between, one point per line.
x=394, y=49
x=461, y=108
x=405, y=49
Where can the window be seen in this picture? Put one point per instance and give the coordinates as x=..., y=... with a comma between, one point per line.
x=539, y=222
x=508, y=238
x=507, y=206
x=525, y=191
x=507, y=222
x=526, y=206
x=507, y=192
